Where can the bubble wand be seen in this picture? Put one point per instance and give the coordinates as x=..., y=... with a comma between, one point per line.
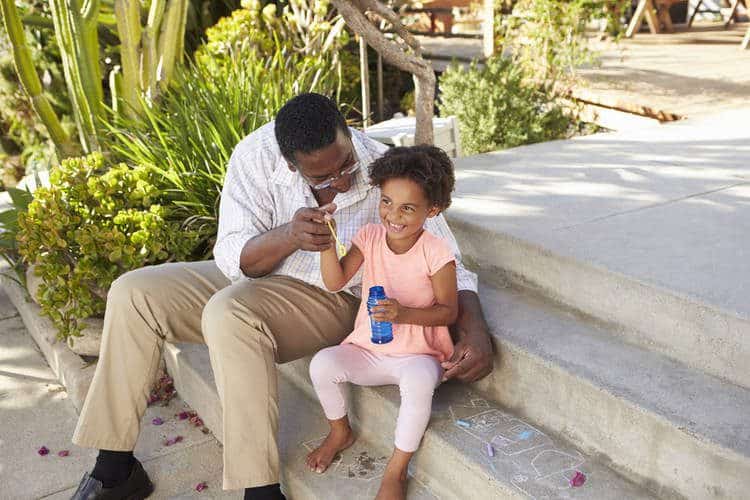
x=340, y=247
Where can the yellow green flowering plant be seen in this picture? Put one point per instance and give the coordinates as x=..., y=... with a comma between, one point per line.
x=92, y=224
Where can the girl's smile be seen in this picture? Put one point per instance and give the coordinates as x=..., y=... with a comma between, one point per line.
x=404, y=207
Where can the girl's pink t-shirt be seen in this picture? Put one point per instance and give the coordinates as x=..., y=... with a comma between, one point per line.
x=406, y=278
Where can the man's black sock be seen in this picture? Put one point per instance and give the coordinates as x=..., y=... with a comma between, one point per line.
x=113, y=467
x=269, y=492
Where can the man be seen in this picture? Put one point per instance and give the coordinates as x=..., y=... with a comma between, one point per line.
x=270, y=229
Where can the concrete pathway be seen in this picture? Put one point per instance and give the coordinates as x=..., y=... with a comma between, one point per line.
x=35, y=412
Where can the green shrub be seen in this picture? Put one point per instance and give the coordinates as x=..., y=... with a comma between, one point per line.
x=497, y=108
x=20, y=200
x=303, y=28
x=547, y=38
x=91, y=225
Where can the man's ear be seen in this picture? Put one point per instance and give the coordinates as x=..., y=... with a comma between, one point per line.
x=433, y=211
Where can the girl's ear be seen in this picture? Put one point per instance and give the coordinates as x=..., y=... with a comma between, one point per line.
x=433, y=211
x=291, y=167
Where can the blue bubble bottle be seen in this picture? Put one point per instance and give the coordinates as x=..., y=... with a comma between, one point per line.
x=382, y=331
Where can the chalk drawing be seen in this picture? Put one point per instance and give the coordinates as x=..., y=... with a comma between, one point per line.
x=535, y=465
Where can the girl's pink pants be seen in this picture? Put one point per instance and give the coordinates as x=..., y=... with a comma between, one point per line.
x=417, y=376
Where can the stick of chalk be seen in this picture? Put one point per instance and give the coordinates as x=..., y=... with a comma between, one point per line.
x=490, y=450
x=463, y=423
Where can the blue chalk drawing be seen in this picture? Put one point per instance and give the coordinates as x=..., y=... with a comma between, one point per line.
x=525, y=435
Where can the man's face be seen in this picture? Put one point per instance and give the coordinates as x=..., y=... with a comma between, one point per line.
x=330, y=163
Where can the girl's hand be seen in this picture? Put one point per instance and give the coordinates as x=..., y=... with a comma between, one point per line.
x=387, y=310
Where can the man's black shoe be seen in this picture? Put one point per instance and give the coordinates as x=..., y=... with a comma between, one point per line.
x=136, y=487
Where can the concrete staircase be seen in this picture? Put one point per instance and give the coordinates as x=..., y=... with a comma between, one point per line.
x=621, y=323
x=452, y=462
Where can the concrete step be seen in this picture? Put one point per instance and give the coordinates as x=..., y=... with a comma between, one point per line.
x=695, y=332
x=452, y=462
x=355, y=474
x=646, y=229
x=673, y=429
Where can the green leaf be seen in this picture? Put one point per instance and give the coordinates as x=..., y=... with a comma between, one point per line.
x=9, y=218
x=20, y=197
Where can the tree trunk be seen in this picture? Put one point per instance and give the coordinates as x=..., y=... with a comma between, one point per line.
x=353, y=12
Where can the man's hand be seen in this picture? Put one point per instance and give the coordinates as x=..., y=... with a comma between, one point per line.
x=308, y=230
x=473, y=354
x=387, y=310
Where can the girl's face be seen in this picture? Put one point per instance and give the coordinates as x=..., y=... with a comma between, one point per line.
x=404, y=207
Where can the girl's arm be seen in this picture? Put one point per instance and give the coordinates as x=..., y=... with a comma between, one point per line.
x=443, y=313
x=337, y=273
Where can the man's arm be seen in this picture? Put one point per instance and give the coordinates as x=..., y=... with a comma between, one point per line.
x=473, y=355
x=247, y=242
x=262, y=253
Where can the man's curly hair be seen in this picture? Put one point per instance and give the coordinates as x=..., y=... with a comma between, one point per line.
x=307, y=123
x=428, y=166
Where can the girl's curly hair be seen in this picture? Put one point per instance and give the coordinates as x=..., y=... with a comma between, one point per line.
x=428, y=166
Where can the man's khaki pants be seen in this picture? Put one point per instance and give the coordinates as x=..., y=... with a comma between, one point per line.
x=248, y=327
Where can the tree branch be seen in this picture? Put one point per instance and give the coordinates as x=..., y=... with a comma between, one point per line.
x=387, y=48
x=393, y=18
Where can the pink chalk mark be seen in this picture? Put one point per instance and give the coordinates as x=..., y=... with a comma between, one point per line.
x=578, y=479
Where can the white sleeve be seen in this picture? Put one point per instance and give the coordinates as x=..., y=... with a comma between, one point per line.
x=437, y=225
x=245, y=210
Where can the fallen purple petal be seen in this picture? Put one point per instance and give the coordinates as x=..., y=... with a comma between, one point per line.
x=578, y=479
x=171, y=441
x=201, y=486
x=63, y=453
x=43, y=451
x=163, y=391
x=157, y=421
x=183, y=415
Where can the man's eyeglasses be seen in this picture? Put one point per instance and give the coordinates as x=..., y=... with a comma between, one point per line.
x=328, y=182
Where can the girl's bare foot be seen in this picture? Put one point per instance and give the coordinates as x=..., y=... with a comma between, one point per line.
x=392, y=487
x=338, y=439
x=393, y=484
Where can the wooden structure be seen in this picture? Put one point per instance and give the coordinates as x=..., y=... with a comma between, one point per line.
x=659, y=20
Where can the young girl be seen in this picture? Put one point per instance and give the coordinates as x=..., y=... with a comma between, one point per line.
x=418, y=273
